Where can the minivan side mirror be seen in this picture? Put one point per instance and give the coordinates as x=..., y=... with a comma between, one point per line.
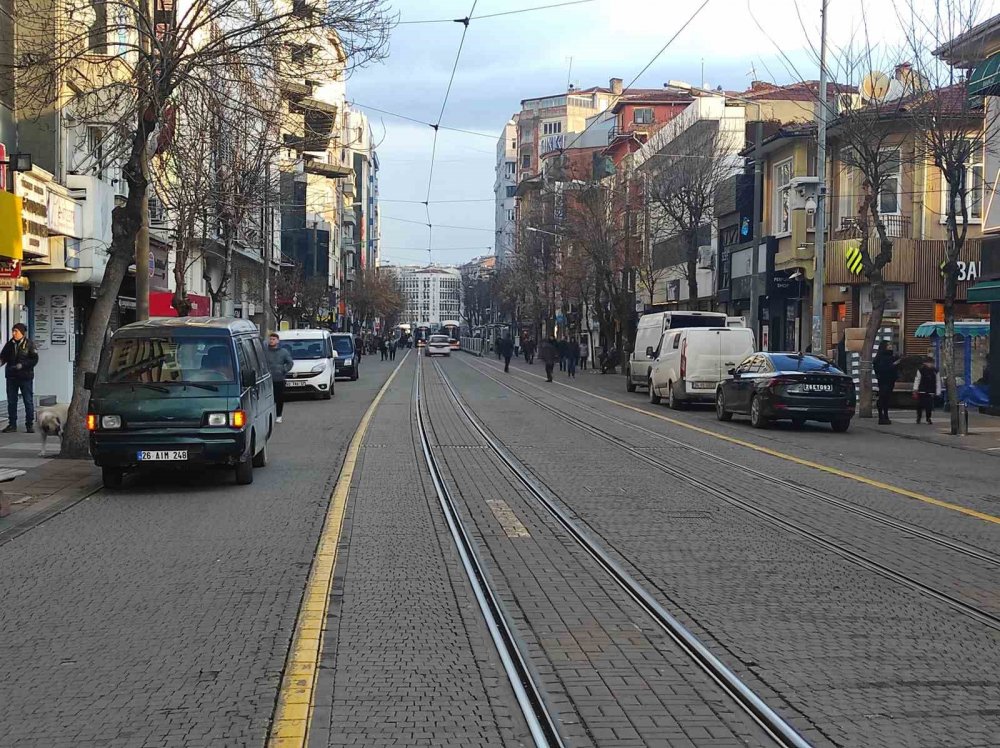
x=732, y=372
x=248, y=377
x=89, y=378
x=650, y=351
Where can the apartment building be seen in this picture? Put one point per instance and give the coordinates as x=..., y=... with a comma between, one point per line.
x=505, y=189
x=433, y=293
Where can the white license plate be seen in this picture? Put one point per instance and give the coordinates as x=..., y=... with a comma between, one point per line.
x=817, y=387
x=703, y=385
x=292, y=383
x=166, y=455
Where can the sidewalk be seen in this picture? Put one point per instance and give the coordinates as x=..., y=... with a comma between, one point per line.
x=983, y=436
x=49, y=485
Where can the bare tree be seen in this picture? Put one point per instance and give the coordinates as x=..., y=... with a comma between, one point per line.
x=681, y=189
x=952, y=130
x=120, y=60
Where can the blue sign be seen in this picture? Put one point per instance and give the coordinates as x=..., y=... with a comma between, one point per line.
x=745, y=227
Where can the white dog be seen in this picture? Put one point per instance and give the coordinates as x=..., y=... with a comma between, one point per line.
x=50, y=422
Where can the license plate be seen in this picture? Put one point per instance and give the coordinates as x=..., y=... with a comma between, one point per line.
x=817, y=388
x=291, y=383
x=703, y=385
x=162, y=455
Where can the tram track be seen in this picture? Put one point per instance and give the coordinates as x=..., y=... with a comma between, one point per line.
x=745, y=699
x=854, y=556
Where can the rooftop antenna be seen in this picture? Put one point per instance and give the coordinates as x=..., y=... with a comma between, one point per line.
x=753, y=71
x=702, y=72
x=569, y=74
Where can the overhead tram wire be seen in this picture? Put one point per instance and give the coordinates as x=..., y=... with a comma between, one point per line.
x=647, y=66
x=439, y=225
x=495, y=15
x=437, y=125
x=424, y=122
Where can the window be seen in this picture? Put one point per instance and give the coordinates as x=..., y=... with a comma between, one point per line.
x=513, y=145
x=511, y=168
x=551, y=128
x=973, y=184
x=526, y=161
x=95, y=147
x=782, y=222
x=510, y=215
x=888, y=196
x=643, y=116
x=511, y=190
x=165, y=360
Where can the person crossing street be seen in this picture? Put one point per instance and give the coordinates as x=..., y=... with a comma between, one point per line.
x=280, y=362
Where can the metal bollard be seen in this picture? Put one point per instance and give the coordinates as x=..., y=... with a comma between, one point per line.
x=963, y=419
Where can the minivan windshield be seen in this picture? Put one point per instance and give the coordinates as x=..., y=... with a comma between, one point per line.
x=165, y=359
x=305, y=349
x=343, y=345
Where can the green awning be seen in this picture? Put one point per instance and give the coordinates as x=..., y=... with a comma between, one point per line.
x=985, y=78
x=985, y=292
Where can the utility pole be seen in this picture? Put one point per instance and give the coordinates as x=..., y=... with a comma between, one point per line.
x=758, y=227
x=819, y=277
x=142, y=236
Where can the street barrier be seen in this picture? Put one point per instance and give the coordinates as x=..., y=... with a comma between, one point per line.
x=472, y=345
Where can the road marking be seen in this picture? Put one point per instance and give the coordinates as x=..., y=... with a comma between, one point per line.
x=784, y=456
x=290, y=726
x=512, y=526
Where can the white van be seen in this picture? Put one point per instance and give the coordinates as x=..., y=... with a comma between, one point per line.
x=690, y=363
x=315, y=367
x=648, y=334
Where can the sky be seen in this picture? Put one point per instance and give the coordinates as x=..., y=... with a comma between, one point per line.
x=513, y=57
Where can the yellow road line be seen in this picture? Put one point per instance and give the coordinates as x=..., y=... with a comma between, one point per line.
x=298, y=683
x=785, y=456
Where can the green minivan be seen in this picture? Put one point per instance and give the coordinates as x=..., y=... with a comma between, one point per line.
x=181, y=392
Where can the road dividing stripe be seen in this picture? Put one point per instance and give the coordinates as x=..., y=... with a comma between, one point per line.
x=290, y=726
x=785, y=456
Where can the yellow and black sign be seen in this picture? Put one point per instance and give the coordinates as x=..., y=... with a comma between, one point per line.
x=853, y=257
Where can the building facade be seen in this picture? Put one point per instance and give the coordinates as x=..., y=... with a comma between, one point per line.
x=433, y=294
x=504, y=190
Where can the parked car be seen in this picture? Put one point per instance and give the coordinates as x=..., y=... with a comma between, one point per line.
x=787, y=387
x=347, y=363
x=315, y=365
x=689, y=363
x=438, y=345
x=650, y=331
x=181, y=392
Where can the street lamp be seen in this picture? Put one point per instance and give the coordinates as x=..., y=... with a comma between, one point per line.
x=16, y=162
x=542, y=231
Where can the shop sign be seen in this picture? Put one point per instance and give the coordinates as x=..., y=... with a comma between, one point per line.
x=158, y=268
x=35, y=215
x=65, y=216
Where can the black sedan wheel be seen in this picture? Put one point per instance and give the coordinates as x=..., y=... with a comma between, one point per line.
x=841, y=425
x=720, y=407
x=757, y=418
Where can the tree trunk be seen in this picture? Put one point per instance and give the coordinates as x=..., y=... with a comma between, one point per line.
x=878, y=298
x=125, y=222
x=948, y=357
x=692, y=271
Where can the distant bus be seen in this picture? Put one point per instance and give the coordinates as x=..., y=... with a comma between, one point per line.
x=420, y=335
x=453, y=330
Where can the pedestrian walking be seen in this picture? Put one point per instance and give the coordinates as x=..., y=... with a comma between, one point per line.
x=529, y=351
x=561, y=352
x=506, y=350
x=548, y=352
x=572, y=353
x=584, y=353
x=383, y=348
x=20, y=357
x=926, y=386
x=886, y=370
x=392, y=350
x=279, y=361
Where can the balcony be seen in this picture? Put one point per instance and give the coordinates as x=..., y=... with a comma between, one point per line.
x=323, y=169
x=896, y=227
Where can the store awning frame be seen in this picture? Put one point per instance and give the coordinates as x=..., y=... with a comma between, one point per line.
x=985, y=292
x=985, y=77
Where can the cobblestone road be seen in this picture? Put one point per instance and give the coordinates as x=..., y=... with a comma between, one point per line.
x=160, y=615
x=863, y=659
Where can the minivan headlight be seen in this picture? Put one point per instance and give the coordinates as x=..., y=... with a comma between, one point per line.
x=320, y=367
x=347, y=361
x=111, y=422
x=236, y=419
x=218, y=419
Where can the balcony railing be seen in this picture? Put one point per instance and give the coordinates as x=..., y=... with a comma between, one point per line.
x=896, y=227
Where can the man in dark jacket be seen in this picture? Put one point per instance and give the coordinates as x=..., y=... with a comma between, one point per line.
x=886, y=373
x=529, y=351
x=280, y=362
x=926, y=386
x=506, y=349
x=549, y=354
x=20, y=358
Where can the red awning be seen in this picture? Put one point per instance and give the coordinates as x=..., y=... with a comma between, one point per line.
x=159, y=305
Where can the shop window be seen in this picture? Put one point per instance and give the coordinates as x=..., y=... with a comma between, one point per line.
x=782, y=222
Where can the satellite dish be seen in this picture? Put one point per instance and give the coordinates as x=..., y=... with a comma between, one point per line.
x=896, y=90
x=875, y=85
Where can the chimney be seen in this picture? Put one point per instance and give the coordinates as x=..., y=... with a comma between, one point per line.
x=762, y=86
x=616, y=86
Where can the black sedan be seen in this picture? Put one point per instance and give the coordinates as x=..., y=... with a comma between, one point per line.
x=787, y=387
